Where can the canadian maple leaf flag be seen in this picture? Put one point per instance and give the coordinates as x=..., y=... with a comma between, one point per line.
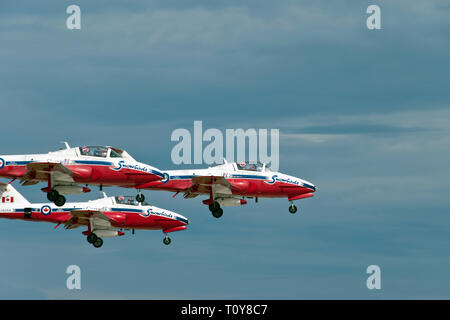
x=7, y=199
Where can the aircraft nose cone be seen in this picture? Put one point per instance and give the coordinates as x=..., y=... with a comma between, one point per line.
x=183, y=220
x=310, y=186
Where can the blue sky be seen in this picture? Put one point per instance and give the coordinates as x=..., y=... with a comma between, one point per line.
x=362, y=114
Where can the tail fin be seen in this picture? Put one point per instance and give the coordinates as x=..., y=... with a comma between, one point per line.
x=9, y=195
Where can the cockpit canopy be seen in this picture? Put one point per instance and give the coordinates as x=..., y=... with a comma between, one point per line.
x=128, y=200
x=252, y=166
x=103, y=152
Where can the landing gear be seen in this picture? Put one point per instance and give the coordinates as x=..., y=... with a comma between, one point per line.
x=214, y=206
x=60, y=201
x=94, y=240
x=292, y=209
x=52, y=195
x=217, y=213
x=91, y=238
x=140, y=197
x=167, y=241
x=215, y=209
x=98, y=243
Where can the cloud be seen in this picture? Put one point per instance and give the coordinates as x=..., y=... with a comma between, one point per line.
x=300, y=57
x=354, y=129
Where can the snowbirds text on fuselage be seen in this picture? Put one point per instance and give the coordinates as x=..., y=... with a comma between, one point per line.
x=104, y=217
x=228, y=184
x=71, y=170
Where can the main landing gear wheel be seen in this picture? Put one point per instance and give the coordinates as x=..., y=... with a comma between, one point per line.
x=292, y=209
x=98, y=243
x=217, y=213
x=167, y=241
x=214, y=206
x=140, y=198
x=52, y=195
x=91, y=238
x=215, y=209
x=60, y=201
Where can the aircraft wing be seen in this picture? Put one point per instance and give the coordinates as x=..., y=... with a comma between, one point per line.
x=95, y=218
x=210, y=180
x=204, y=184
x=89, y=214
x=41, y=171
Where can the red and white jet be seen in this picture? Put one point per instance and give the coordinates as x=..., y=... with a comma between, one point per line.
x=71, y=170
x=105, y=217
x=230, y=183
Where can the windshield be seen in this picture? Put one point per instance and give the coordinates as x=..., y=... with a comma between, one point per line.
x=247, y=166
x=94, y=151
x=129, y=200
x=114, y=154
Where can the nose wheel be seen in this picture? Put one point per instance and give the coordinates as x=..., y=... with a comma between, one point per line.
x=215, y=209
x=140, y=197
x=292, y=209
x=167, y=241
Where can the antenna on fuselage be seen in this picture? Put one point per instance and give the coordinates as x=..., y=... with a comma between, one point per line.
x=66, y=144
x=103, y=195
x=225, y=161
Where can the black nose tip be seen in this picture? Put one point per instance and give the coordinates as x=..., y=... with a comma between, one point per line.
x=183, y=220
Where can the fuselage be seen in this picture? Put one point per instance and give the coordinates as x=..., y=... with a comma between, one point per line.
x=108, y=168
x=264, y=183
x=120, y=215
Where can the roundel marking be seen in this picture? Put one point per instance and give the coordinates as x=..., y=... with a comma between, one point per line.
x=166, y=178
x=2, y=163
x=46, y=210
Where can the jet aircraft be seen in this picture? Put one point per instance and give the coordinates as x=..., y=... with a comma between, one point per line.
x=104, y=217
x=72, y=170
x=230, y=183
